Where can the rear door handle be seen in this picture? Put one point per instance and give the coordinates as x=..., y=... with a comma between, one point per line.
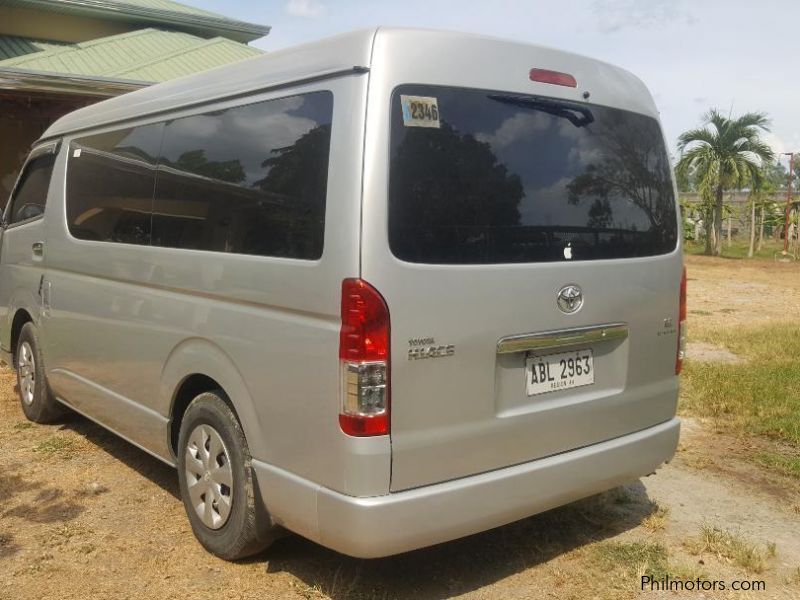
x=38, y=249
x=561, y=338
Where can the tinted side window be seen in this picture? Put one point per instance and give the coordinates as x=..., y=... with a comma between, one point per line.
x=110, y=181
x=30, y=195
x=250, y=179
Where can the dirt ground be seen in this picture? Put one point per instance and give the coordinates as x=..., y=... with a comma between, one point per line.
x=730, y=292
x=85, y=515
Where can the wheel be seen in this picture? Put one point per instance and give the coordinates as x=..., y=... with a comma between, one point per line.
x=217, y=482
x=38, y=402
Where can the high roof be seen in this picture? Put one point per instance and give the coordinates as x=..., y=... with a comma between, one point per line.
x=393, y=56
x=153, y=12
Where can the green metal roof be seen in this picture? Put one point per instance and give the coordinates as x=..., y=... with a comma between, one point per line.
x=163, y=13
x=169, y=6
x=143, y=55
x=12, y=46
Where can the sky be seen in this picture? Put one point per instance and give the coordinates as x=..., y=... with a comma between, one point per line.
x=734, y=55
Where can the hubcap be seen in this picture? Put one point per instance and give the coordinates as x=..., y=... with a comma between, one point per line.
x=26, y=370
x=209, y=476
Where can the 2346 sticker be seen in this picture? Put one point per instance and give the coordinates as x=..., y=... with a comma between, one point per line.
x=420, y=111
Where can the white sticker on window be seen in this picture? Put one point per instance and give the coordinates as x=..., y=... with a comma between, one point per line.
x=76, y=153
x=420, y=111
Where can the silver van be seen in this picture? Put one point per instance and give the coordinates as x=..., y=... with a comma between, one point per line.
x=384, y=290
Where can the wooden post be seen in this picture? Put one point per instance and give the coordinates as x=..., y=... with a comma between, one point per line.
x=752, y=225
x=730, y=225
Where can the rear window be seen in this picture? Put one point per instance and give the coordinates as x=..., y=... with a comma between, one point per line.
x=489, y=177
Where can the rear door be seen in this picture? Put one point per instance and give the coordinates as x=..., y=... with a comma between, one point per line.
x=531, y=268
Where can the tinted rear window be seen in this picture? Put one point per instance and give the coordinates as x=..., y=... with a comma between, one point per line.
x=507, y=178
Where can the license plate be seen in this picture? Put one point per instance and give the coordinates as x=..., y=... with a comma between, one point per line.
x=561, y=371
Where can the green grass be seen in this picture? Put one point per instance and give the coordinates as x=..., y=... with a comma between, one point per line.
x=777, y=462
x=730, y=546
x=637, y=559
x=761, y=396
x=55, y=445
x=738, y=249
x=657, y=520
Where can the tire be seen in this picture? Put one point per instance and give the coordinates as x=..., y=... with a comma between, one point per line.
x=38, y=402
x=217, y=483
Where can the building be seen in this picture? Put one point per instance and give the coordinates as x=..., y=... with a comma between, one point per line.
x=59, y=55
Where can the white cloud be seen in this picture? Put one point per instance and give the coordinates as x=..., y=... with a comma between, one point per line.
x=522, y=125
x=614, y=15
x=539, y=206
x=692, y=55
x=776, y=142
x=284, y=129
x=308, y=9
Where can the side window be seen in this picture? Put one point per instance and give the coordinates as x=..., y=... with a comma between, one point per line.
x=30, y=195
x=110, y=181
x=250, y=179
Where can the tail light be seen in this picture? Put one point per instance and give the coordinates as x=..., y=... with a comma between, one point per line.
x=681, y=326
x=364, y=360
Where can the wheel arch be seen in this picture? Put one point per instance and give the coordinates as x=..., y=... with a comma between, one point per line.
x=198, y=365
x=21, y=316
x=22, y=303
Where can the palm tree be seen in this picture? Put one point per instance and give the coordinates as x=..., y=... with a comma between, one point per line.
x=723, y=154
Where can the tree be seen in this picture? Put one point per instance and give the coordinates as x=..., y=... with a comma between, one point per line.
x=723, y=154
x=774, y=180
x=758, y=194
x=451, y=190
x=195, y=161
x=763, y=189
x=631, y=167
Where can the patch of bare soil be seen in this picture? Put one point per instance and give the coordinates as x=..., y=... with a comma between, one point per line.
x=727, y=292
x=704, y=352
x=734, y=494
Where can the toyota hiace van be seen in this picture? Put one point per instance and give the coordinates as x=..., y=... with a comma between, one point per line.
x=384, y=290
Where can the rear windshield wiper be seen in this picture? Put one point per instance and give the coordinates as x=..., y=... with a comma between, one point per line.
x=578, y=115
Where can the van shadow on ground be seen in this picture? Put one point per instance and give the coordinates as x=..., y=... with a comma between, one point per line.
x=468, y=564
x=140, y=461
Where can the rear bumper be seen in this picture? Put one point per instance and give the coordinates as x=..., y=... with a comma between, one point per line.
x=402, y=521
